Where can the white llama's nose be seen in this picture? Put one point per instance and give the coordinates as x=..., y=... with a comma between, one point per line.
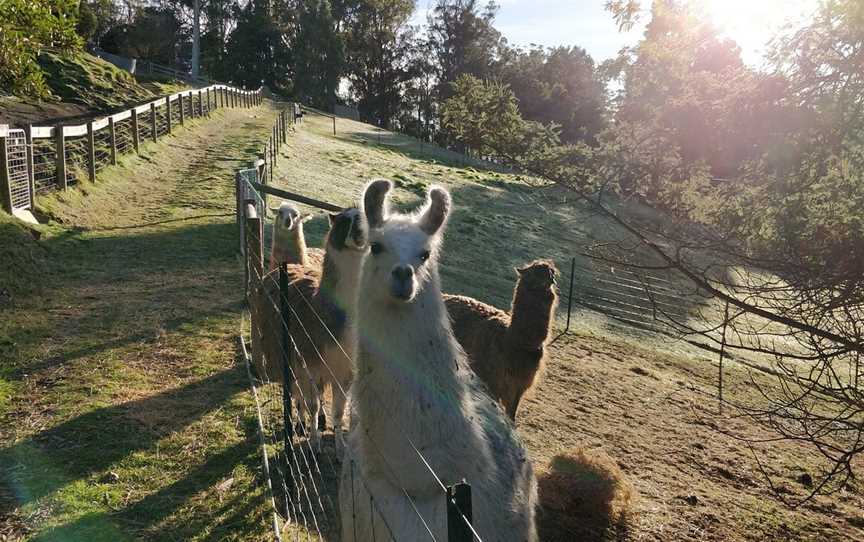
x=402, y=282
x=403, y=272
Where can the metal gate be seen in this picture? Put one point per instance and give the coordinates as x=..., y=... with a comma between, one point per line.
x=18, y=171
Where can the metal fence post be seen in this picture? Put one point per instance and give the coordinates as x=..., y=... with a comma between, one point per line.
x=459, y=514
x=31, y=174
x=136, y=141
x=60, y=156
x=5, y=185
x=91, y=152
x=334, y=125
x=153, y=121
x=570, y=294
x=287, y=354
x=168, y=113
x=112, y=131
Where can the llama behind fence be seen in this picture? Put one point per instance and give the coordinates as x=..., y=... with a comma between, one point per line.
x=288, y=244
x=322, y=303
x=414, y=393
x=507, y=351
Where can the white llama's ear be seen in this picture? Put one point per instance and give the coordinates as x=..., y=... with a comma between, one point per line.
x=375, y=202
x=305, y=217
x=437, y=210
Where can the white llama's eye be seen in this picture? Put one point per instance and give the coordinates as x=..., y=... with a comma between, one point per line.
x=424, y=255
x=377, y=248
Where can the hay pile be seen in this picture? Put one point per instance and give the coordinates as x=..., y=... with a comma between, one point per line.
x=584, y=496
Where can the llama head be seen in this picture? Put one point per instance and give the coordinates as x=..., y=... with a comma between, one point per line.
x=287, y=217
x=348, y=231
x=403, y=247
x=539, y=275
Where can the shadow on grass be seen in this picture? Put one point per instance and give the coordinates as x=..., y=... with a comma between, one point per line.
x=130, y=287
x=236, y=512
x=92, y=442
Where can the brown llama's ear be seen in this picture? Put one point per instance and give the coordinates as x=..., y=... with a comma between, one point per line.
x=436, y=212
x=375, y=202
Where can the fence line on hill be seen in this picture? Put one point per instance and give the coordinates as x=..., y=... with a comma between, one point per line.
x=37, y=159
x=301, y=481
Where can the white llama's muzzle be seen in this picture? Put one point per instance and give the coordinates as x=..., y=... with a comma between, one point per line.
x=402, y=286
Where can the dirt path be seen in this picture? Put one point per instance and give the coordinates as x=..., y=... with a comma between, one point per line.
x=127, y=416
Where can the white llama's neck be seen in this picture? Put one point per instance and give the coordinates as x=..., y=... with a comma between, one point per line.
x=340, y=278
x=410, y=390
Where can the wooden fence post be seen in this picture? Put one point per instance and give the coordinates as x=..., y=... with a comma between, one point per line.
x=153, y=121
x=5, y=185
x=112, y=131
x=182, y=112
x=60, y=156
x=207, y=96
x=254, y=244
x=31, y=175
x=136, y=141
x=200, y=104
x=91, y=152
x=459, y=505
x=168, y=112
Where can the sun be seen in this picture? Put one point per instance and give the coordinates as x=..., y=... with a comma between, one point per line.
x=752, y=23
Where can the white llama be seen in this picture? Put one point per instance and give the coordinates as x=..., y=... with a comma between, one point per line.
x=324, y=303
x=288, y=244
x=413, y=387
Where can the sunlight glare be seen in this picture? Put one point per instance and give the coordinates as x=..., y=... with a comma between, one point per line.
x=752, y=23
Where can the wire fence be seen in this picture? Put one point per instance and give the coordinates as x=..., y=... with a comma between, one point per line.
x=45, y=158
x=123, y=136
x=75, y=149
x=44, y=165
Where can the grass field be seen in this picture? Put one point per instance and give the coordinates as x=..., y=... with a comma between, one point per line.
x=124, y=415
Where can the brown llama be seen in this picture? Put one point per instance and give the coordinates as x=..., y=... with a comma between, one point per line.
x=323, y=302
x=507, y=350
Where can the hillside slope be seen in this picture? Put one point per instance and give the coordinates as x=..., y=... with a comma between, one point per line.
x=646, y=401
x=83, y=86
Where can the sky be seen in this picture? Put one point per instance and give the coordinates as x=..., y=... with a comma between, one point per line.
x=586, y=23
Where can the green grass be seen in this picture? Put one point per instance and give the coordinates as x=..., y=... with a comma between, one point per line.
x=88, y=80
x=122, y=406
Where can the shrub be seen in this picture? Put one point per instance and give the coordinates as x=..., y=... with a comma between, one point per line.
x=27, y=26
